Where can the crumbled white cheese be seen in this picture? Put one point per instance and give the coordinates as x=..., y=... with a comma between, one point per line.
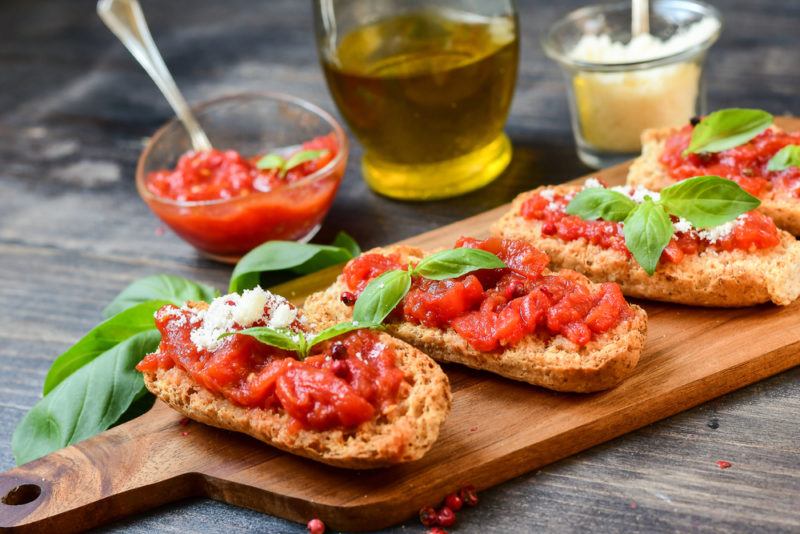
x=637, y=194
x=600, y=48
x=554, y=206
x=548, y=194
x=682, y=225
x=592, y=183
x=227, y=311
x=718, y=233
x=250, y=307
x=282, y=315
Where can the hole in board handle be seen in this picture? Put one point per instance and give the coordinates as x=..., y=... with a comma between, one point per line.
x=22, y=494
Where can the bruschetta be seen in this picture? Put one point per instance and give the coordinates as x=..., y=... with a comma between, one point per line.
x=741, y=263
x=360, y=400
x=662, y=163
x=555, y=330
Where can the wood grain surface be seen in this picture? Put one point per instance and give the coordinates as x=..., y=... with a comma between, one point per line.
x=74, y=110
x=498, y=429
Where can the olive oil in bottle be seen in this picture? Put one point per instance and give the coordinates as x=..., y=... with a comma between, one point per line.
x=427, y=93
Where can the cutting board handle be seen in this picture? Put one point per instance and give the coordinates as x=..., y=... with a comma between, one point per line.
x=103, y=478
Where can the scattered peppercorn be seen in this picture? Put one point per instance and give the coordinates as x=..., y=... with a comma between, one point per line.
x=348, y=298
x=315, y=526
x=428, y=516
x=713, y=423
x=694, y=121
x=454, y=502
x=339, y=351
x=341, y=369
x=722, y=464
x=469, y=495
x=446, y=517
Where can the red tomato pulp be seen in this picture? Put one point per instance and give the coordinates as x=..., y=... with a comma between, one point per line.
x=745, y=164
x=343, y=383
x=753, y=231
x=221, y=203
x=495, y=308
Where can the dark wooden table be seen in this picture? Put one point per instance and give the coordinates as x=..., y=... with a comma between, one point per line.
x=75, y=110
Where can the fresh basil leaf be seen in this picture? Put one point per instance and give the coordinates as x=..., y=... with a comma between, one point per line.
x=91, y=400
x=455, y=262
x=299, y=258
x=381, y=296
x=788, y=156
x=102, y=338
x=345, y=241
x=298, y=158
x=647, y=231
x=728, y=128
x=338, y=330
x=271, y=161
x=599, y=203
x=282, y=338
x=163, y=287
x=707, y=201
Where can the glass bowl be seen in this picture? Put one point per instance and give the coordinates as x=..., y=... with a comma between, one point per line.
x=252, y=124
x=611, y=103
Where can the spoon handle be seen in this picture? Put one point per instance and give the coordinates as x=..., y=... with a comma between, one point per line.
x=126, y=20
x=640, y=17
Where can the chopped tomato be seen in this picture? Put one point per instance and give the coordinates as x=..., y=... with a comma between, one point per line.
x=745, y=164
x=320, y=392
x=496, y=308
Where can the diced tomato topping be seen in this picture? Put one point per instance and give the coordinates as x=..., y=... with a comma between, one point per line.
x=496, y=308
x=745, y=164
x=753, y=231
x=320, y=392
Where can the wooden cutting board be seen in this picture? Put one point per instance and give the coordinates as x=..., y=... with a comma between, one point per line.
x=498, y=429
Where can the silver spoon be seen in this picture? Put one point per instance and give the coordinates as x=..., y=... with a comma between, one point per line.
x=640, y=17
x=126, y=20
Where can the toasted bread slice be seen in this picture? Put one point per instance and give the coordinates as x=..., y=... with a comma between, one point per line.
x=724, y=279
x=402, y=433
x=647, y=171
x=557, y=364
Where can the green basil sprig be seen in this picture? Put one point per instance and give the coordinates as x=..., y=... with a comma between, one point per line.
x=707, y=201
x=600, y=203
x=93, y=399
x=704, y=201
x=727, y=128
x=788, y=156
x=296, y=258
x=286, y=339
x=283, y=166
x=386, y=291
x=162, y=287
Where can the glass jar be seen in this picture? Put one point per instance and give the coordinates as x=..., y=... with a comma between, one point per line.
x=425, y=86
x=618, y=88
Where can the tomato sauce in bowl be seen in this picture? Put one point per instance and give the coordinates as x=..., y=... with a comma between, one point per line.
x=220, y=201
x=496, y=308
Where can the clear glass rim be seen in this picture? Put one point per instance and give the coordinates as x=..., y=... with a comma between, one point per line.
x=555, y=52
x=324, y=172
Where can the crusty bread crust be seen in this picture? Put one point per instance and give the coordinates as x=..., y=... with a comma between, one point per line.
x=725, y=279
x=557, y=364
x=404, y=432
x=647, y=171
